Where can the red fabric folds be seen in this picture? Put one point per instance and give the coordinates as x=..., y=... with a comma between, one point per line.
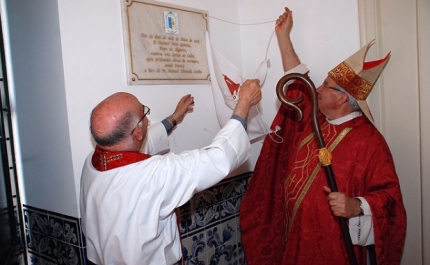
x=285, y=217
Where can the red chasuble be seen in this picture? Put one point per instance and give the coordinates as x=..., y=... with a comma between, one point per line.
x=285, y=217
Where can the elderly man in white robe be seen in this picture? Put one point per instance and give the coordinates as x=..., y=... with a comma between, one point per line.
x=128, y=197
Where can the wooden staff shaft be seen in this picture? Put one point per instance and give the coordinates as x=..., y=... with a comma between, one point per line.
x=327, y=166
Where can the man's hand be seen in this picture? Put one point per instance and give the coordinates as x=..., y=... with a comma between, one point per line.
x=342, y=205
x=284, y=24
x=249, y=95
x=185, y=105
x=283, y=27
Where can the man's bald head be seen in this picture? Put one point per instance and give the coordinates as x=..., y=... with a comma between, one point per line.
x=113, y=119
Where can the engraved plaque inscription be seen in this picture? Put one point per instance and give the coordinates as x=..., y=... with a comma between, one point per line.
x=164, y=44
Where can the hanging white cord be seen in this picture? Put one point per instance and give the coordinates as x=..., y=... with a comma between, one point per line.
x=244, y=22
x=265, y=60
x=250, y=22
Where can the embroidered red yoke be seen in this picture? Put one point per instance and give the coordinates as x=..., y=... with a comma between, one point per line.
x=103, y=160
x=286, y=202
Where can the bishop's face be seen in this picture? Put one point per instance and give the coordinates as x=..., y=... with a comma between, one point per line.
x=329, y=98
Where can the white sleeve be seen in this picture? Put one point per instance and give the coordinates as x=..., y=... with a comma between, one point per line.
x=361, y=227
x=193, y=171
x=301, y=69
x=157, y=140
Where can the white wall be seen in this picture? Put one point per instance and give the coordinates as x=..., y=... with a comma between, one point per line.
x=423, y=19
x=400, y=106
x=66, y=56
x=318, y=35
x=94, y=64
x=38, y=103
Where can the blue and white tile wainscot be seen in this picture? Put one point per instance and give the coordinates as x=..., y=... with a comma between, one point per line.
x=209, y=224
x=209, y=227
x=53, y=238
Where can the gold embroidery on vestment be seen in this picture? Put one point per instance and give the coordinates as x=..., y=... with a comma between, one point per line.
x=106, y=160
x=324, y=156
x=309, y=182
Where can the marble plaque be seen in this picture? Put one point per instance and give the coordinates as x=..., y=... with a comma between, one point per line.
x=164, y=43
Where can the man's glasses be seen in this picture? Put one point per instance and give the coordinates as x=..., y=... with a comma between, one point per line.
x=146, y=111
x=324, y=85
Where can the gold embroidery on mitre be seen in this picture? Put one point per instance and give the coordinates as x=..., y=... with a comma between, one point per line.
x=342, y=74
x=346, y=78
x=359, y=88
x=324, y=156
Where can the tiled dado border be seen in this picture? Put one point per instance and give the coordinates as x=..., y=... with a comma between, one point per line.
x=53, y=238
x=209, y=226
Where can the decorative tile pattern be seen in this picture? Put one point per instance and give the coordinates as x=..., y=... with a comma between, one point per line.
x=209, y=224
x=52, y=238
x=209, y=227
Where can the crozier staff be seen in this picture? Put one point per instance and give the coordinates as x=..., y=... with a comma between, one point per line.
x=288, y=199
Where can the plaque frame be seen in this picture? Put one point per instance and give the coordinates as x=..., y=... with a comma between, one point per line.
x=164, y=43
